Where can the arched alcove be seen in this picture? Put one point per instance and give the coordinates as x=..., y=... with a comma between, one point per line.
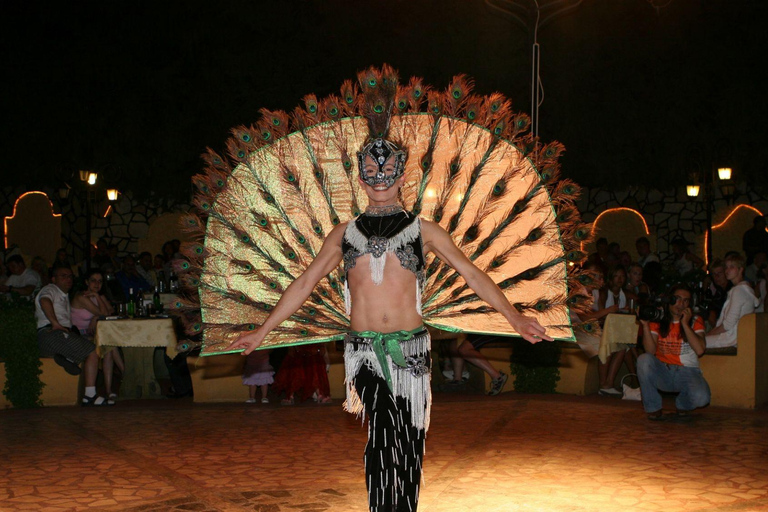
x=621, y=225
x=728, y=228
x=163, y=228
x=34, y=227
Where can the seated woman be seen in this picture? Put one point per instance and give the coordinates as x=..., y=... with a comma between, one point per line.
x=741, y=300
x=87, y=306
x=607, y=299
x=635, y=285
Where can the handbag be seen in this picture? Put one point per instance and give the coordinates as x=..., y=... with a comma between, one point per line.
x=628, y=392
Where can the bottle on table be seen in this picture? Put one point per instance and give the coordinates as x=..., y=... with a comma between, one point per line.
x=131, y=307
x=156, y=299
x=173, y=282
x=140, y=303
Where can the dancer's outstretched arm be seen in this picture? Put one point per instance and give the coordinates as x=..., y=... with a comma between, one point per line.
x=437, y=240
x=297, y=292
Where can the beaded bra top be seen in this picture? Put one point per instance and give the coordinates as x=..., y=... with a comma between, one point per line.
x=398, y=233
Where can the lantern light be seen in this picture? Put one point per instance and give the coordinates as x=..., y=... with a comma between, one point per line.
x=724, y=173
x=112, y=194
x=692, y=190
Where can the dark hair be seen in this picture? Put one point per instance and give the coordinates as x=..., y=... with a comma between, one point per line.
x=664, y=324
x=15, y=258
x=93, y=272
x=642, y=240
x=613, y=271
x=145, y=253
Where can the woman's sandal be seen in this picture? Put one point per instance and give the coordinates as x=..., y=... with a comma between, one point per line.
x=287, y=401
x=322, y=400
x=90, y=401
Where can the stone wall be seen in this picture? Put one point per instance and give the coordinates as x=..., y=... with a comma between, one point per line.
x=668, y=213
x=126, y=223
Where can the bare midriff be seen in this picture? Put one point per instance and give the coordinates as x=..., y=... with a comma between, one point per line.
x=387, y=307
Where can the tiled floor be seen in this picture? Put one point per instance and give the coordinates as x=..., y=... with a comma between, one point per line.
x=506, y=453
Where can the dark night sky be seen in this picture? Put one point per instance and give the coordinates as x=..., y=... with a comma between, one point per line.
x=635, y=96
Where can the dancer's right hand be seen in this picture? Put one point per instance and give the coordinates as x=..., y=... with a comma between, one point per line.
x=249, y=342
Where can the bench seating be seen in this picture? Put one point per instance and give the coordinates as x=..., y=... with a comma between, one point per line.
x=741, y=379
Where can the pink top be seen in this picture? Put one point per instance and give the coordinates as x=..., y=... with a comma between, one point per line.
x=81, y=318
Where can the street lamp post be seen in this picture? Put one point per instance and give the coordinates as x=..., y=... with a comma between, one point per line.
x=88, y=180
x=727, y=190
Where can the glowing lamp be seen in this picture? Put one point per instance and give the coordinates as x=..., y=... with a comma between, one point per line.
x=692, y=190
x=84, y=175
x=92, y=176
x=112, y=194
x=724, y=173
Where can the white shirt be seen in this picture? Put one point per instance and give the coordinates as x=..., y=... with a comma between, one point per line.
x=60, y=306
x=741, y=301
x=647, y=259
x=27, y=278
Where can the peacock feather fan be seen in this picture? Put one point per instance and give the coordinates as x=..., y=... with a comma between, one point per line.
x=265, y=209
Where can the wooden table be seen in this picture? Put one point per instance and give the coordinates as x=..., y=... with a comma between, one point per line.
x=619, y=333
x=138, y=339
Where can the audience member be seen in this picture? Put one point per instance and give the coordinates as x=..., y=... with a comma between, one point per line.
x=129, y=278
x=3, y=270
x=304, y=372
x=601, y=252
x=55, y=337
x=625, y=259
x=755, y=239
x=760, y=289
x=258, y=373
x=41, y=268
x=752, y=270
x=740, y=301
x=611, y=299
x=87, y=306
x=466, y=348
x=22, y=281
x=671, y=359
x=635, y=285
x=62, y=260
x=645, y=256
x=613, y=255
x=112, y=251
x=146, y=270
x=100, y=257
x=685, y=260
x=716, y=291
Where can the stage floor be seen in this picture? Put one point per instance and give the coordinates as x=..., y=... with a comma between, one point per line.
x=506, y=453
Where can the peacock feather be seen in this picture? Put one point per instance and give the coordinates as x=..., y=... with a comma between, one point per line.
x=264, y=210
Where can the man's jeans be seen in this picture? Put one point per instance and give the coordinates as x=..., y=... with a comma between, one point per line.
x=655, y=376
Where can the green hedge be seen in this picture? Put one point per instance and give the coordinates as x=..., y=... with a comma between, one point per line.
x=19, y=352
x=535, y=366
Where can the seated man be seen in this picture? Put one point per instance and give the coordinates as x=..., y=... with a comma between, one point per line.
x=22, y=281
x=54, y=337
x=146, y=270
x=130, y=279
x=671, y=359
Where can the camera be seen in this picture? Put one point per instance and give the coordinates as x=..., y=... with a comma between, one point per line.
x=653, y=310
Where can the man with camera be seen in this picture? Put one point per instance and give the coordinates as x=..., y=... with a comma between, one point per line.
x=673, y=345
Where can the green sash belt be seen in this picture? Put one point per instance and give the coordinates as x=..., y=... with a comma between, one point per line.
x=389, y=343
